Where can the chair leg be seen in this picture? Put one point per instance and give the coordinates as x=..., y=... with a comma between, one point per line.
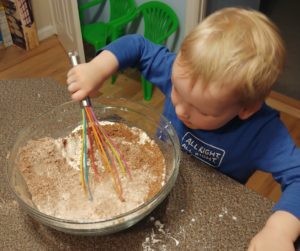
x=114, y=78
x=147, y=89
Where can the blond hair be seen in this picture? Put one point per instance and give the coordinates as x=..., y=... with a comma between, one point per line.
x=237, y=48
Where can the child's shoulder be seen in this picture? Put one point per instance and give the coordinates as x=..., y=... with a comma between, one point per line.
x=262, y=121
x=266, y=121
x=265, y=114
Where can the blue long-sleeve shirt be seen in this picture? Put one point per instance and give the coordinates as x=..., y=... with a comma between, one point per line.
x=237, y=149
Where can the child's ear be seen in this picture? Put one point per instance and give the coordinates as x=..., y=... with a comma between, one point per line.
x=246, y=112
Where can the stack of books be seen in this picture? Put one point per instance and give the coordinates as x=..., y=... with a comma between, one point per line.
x=21, y=23
x=5, y=36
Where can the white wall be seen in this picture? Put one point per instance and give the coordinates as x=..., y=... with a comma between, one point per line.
x=42, y=16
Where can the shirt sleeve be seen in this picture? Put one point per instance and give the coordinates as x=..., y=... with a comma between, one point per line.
x=152, y=60
x=277, y=153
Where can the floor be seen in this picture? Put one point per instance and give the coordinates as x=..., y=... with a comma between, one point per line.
x=50, y=60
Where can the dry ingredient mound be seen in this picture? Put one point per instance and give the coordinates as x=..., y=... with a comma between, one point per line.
x=50, y=168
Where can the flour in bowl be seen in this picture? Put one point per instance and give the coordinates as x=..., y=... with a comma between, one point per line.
x=50, y=168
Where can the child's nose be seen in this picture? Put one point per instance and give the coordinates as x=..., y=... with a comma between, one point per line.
x=182, y=111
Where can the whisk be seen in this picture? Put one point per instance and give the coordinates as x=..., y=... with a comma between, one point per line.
x=93, y=136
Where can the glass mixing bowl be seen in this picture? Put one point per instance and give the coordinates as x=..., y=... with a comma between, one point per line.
x=60, y=122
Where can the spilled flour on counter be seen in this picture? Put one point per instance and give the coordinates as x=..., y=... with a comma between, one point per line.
x=50, y=168
x=157, y=240
x=225, y=213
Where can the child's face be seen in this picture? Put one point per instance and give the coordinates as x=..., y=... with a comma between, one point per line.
x=199, y=108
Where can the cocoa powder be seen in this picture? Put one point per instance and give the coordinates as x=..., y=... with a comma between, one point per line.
x=55, y=184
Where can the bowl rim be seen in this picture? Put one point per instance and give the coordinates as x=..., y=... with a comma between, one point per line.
x=167, y=186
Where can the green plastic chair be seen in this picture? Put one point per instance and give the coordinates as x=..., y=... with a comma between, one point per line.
x=99, y=34
x=160, y=21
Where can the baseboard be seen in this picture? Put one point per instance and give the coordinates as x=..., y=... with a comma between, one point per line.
x=46, y=32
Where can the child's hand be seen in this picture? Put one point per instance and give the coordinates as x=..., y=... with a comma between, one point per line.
x=279, y=233
x=85, y=79
x=269, y=239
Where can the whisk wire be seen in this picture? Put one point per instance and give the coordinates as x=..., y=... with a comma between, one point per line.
x=82, y=158
x=84, y=154
x=91, y=154
x=104, y=153
x=121, y=160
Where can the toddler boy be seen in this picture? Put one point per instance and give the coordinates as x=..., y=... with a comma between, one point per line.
x=215, y=89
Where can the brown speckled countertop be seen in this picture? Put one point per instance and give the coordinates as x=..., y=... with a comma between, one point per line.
x=205, y=210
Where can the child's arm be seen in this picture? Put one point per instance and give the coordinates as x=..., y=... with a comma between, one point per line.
x=85, y=79
x=280, y=232
x=153, y=61
x=276, y=153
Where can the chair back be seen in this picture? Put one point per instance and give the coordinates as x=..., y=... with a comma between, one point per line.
x=119, y=8
x=99, y=34
x=160, y=21
x=83, y=7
